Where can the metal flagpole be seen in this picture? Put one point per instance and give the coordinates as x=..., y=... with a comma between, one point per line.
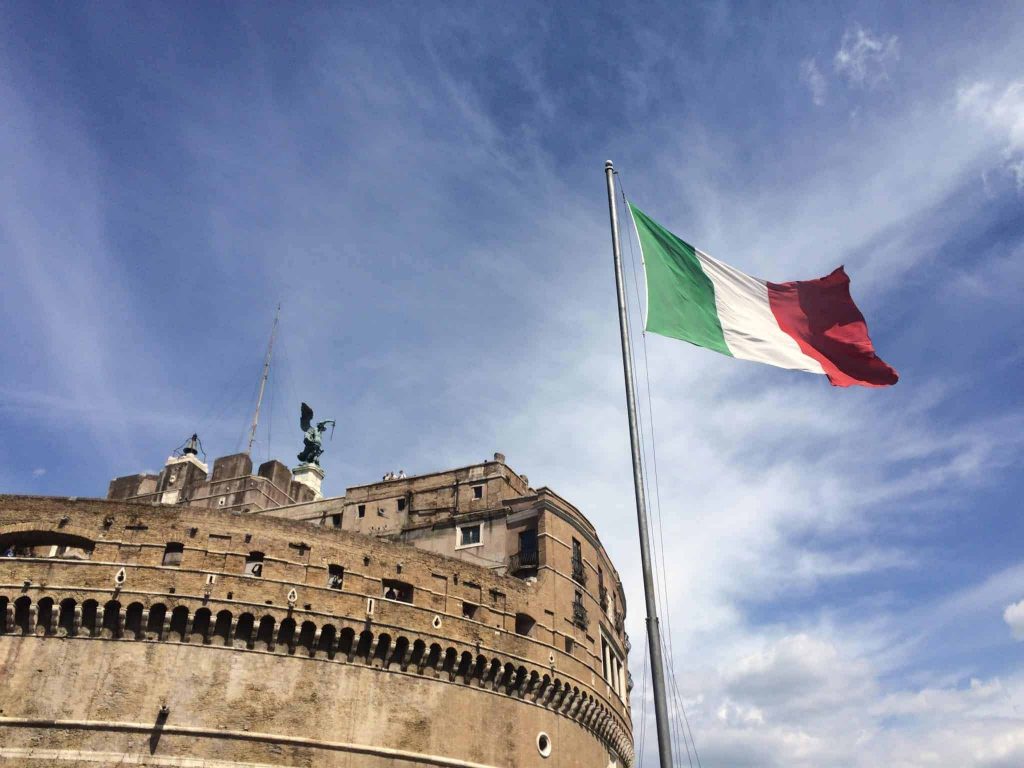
x=653, y=630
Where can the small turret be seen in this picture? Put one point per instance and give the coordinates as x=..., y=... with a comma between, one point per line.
x=183, y=472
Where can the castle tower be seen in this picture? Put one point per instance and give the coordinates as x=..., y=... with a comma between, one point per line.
x=455, y=618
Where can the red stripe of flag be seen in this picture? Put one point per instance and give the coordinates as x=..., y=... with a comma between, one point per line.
x=821, y=316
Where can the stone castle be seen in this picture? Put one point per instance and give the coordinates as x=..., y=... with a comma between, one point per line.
x=226, y=618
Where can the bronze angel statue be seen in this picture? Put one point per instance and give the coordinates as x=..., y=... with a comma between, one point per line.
x=312, y=441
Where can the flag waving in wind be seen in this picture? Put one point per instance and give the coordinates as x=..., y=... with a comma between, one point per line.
x=807, y=325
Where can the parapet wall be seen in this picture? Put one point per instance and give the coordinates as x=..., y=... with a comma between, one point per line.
x=290, y=667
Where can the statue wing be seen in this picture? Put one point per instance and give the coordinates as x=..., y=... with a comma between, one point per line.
x=307, y=417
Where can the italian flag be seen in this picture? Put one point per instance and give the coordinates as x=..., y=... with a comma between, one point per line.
x=806, y=325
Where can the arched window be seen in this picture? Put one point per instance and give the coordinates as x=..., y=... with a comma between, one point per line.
x=286, y=634
x=380, y=655
x=363, y=648
x=265, y=634
x=326, y=642
x=419, y=648
x=306, y=635
x=155, y=624
x=112, y=618
x=89, y=608
x=179, y=622
x=401, y=652
x=222, y=628
x=66, y=621
x=45, y=544
x=201, y=625
x=22, y=613
x=133, y=621
x=524, y=624
x=243, y=631
x=44, y=620
x=434, y=656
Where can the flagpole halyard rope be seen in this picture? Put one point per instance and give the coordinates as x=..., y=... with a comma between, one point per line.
x=662, y=581
x=650, y=411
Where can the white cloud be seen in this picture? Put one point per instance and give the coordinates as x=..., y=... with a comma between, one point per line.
x=812, y=699
x=1014, y=618
x=795, y=675
x=1002, y=112
x=863, y=58
x=811, y=76
x=38, y=471
x=61, y=282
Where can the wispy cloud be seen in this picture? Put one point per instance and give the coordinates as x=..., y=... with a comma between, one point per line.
x=812, y=77
x=1014, y=618
x=1002, y=112
x=863, y=58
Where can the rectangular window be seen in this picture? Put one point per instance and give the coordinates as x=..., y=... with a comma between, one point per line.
x=173, y=553
x=254, y=565
x=528, y=541
x=579, y=612
x=396, y=590
x=469, y=610
x=362, y=510
x=335, y=576
x=478, y=491
x=401, y=505
x=469, y=535
x=578, y=574
x=611, y=667
x=336, y=521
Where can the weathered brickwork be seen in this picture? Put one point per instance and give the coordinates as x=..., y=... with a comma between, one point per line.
x=272, y=641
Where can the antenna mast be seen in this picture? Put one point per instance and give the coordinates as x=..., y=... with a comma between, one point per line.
x=263, y=380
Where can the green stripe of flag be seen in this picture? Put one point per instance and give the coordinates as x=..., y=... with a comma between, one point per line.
x=680, y=297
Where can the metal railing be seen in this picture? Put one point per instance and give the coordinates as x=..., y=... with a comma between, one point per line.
x=579, y=616
x=578, y=574
x=523, y=561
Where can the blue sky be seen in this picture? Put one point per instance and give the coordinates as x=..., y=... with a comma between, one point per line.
x=422, y=188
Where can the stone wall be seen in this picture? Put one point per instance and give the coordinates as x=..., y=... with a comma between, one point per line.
x=289, y=668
